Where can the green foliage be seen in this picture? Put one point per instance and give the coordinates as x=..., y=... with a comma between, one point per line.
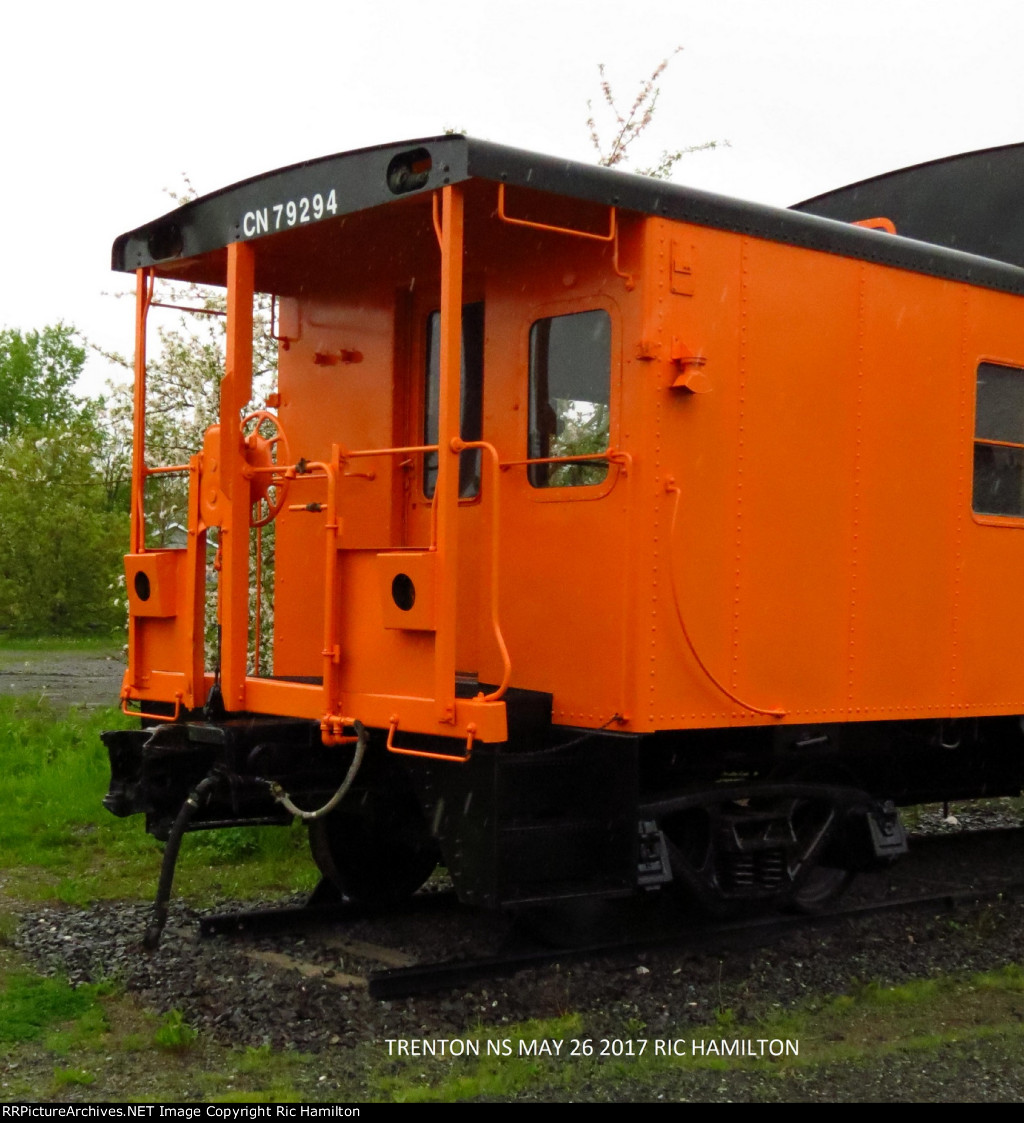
x=273, y=1074
x=60, y=545
x=873, y=993
x=8, y=929
x=279, y=1094
x=38, y=371
x=255, y=1059
x=174, y=1035
x=60, y=538
x=583, y=430
x=1009, y=978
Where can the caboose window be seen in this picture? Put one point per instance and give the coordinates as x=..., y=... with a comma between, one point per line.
x=999, y=441
x=570, y=388
x=472, y=399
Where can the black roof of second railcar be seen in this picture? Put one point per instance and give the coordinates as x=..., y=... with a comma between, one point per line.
x=970, y=202
x=360, y=180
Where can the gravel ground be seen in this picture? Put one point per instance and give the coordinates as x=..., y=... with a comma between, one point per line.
x=251, y=991
x=82, y=678
x=302, y=990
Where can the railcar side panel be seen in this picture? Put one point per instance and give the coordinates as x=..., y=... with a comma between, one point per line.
x=790, y=396
x=822, y=490
x=905, y=474
x=988, y=610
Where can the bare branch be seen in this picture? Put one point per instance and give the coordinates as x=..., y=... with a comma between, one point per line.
x=631, y=124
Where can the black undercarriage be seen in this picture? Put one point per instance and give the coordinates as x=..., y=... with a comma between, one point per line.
x=764, y=816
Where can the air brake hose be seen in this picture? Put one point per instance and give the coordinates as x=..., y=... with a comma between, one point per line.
x=163, y=893
x=284, y=799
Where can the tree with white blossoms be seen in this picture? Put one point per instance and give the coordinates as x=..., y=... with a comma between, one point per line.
x=183, y=375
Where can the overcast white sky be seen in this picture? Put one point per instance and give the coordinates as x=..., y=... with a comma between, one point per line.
x=105, y=105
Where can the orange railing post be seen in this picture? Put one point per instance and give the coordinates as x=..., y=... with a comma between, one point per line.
x=446, y=493
x=331, y=651
x=193, y=647
x=235, y=393
x=137, y=533
x=143, y=299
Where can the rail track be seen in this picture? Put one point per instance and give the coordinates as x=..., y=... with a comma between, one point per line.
x=943, y=874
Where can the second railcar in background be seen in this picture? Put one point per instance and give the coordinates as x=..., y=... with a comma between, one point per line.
x=624, y=534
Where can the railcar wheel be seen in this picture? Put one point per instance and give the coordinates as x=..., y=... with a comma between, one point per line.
x=820, y=889
x=824, y=881
x=377, y=851
x=734, y=857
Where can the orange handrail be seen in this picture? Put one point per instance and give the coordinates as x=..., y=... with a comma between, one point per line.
x=350, y=454
x=393, y=748
x=612, y=235
x=125, y=699
x=331, y=652
x=164, y=468
x=609, y=237
x=610, y=455
x=457, y=446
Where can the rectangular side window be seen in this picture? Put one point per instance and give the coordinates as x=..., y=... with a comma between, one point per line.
x=999, y=441
x=570, y=392
x=472, y=403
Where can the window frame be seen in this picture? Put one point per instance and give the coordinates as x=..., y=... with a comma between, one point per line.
x=569, y=493
x=986, y=518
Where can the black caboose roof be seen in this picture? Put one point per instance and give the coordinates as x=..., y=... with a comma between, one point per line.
x=970, y=202
x=369, y=177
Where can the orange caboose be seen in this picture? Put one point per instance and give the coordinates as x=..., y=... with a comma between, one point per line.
x=623, y=534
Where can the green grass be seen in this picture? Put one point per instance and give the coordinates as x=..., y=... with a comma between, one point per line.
x=65, y=1076
x=174, y=1035
x=266, y=1076
x=57, y=841
x=60, y=644
x=872, y=1021
x=30, y=1005
x=499, y=1071
x=55, y=1038
x=91, y=1031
